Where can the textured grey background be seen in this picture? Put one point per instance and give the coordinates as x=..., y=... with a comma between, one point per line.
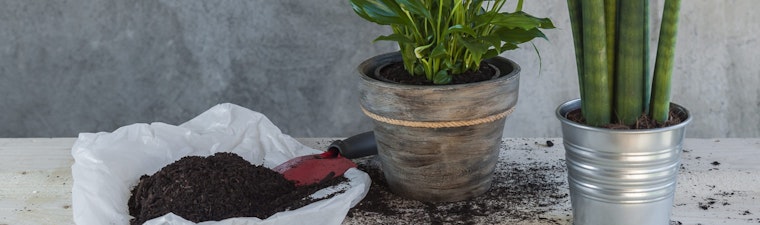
x=70, y=66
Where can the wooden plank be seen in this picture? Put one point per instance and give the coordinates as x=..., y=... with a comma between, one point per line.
x=718, y=184
x=48, y=153
x=36, y=181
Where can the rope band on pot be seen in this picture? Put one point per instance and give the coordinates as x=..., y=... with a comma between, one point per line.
x=444, y=124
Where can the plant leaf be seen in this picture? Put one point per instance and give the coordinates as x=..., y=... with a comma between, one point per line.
x=508, y=46
x=597, y=109
x=474, y=9
x=442, y=77
x=415, y=7
x=521, y=20
x=477, y=50
x=410, y=62
x=663, y=69
x=473, y=45
x=418, y=50
x=456, y=68
x=438, y=51
x=483, y=19
x=382, y=12
x=517, y=35
x=493, y=40
x=459, y=28
x=492, y=53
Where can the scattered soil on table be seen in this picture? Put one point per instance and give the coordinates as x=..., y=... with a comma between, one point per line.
x=707, y=204
x=397, y=73
x=644, y=122
x=215, y=188
x=520, y=193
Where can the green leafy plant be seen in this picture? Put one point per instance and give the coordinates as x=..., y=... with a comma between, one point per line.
x=612, y=49
x=440, y=38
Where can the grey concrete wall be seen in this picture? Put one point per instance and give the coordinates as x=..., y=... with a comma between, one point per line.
x=94, y=65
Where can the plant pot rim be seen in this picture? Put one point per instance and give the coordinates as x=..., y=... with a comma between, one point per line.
x=437, y=103
x=571, y=105
x=390, y=57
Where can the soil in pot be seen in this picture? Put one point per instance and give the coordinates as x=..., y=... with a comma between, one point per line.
x=396, y=73
x=644, y=122
x=215, y=188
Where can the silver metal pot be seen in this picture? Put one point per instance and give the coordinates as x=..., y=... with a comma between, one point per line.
x=621, y=177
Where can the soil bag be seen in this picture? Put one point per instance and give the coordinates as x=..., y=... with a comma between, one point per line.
x=108, y=165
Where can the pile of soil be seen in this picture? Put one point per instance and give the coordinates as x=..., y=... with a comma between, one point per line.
x=215, y=188
x=396, y=73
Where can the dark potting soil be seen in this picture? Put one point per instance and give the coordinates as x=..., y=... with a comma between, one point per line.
x=215, y=188
x=396, y=73
x=520, y=193
x=644, y=122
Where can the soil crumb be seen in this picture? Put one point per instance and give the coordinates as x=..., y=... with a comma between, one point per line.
x=707, y=204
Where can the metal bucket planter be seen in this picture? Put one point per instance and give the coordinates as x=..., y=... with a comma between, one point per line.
x=621, y=177
x=438, y=143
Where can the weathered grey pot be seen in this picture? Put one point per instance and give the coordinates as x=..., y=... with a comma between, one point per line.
x=438, y=143
x=621, y=177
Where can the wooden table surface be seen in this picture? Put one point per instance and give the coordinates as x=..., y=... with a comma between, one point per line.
x=719, y=182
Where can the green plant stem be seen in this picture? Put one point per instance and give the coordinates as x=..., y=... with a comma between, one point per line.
x=576, y=19
x=597, y=96
x=519, y=5
x=610, y=22
x=647, y=79
x=630, y=72
x=663, y=68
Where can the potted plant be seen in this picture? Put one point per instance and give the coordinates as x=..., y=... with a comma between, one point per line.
x=439, y=104
x=623, y=137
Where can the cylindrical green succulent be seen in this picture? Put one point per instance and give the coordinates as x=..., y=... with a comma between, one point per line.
x=612, y=52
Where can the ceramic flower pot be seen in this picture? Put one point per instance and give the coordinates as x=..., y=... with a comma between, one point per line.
x=621, y=177
x=438, y=143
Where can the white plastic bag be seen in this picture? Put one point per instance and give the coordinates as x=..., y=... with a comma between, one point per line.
x=108, y=165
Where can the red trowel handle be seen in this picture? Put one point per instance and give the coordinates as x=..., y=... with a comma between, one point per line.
x=356, y=146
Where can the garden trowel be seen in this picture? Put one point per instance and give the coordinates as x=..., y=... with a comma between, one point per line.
x=312, y=169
